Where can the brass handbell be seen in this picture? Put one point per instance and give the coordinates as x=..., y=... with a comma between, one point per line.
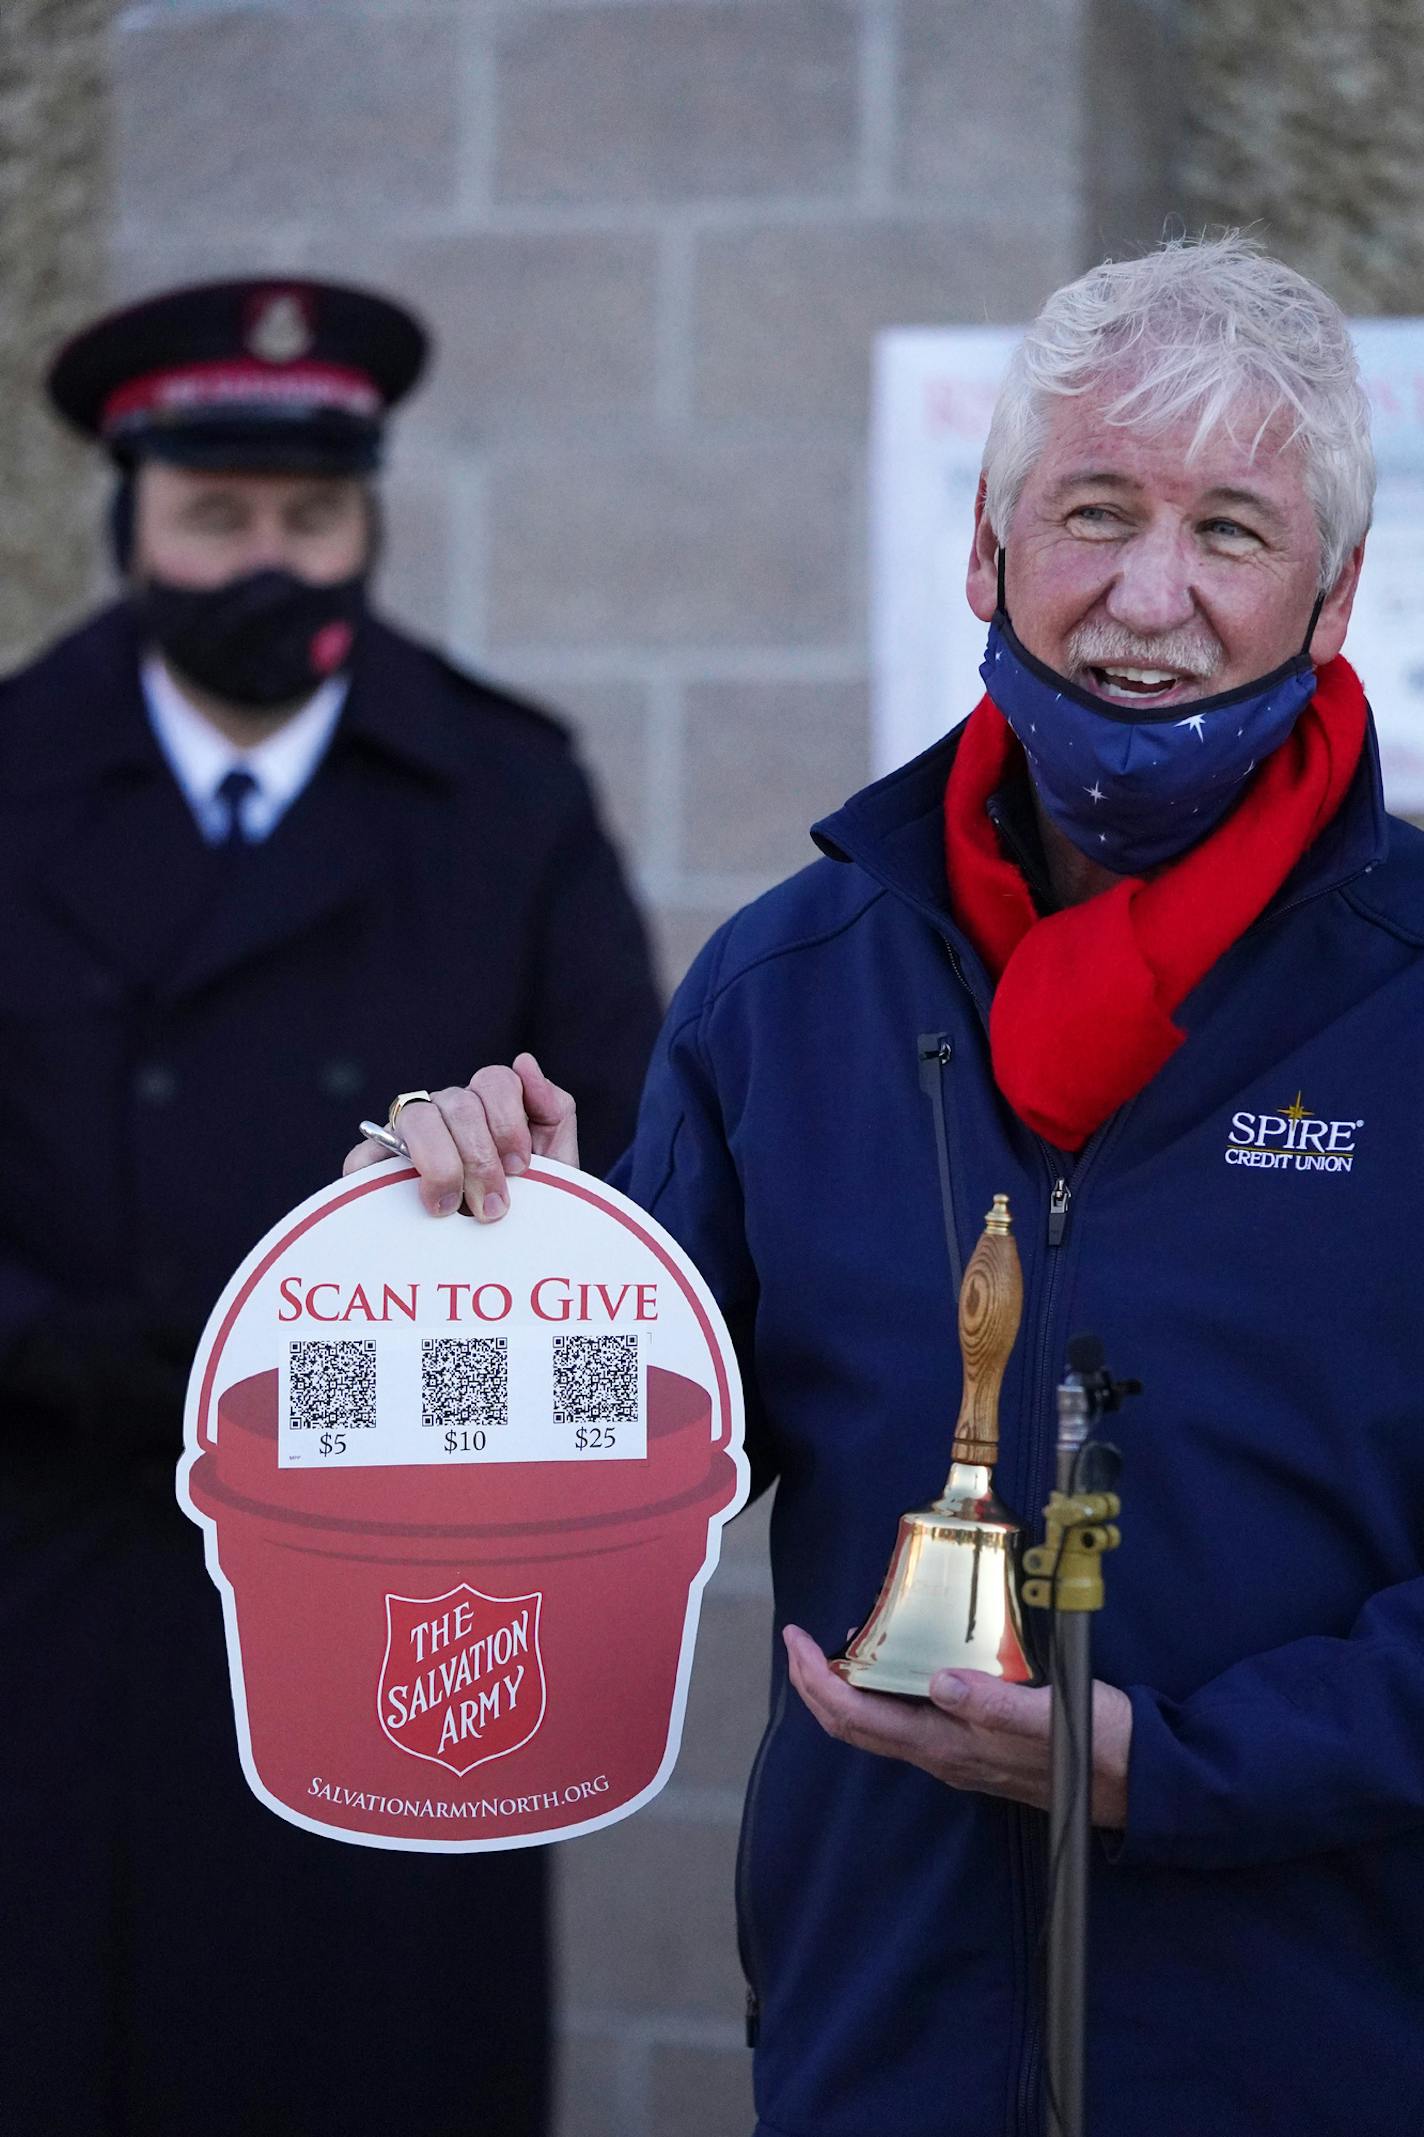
x=950, y=1598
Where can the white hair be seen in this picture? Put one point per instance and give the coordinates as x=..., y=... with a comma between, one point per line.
x=1211, y=328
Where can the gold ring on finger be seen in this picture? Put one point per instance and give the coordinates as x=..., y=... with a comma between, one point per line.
x=406, y=1098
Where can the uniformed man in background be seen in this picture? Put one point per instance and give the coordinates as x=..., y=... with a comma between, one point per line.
x=237, y=815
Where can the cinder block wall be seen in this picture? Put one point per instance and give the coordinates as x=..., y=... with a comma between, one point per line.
x=655, y=238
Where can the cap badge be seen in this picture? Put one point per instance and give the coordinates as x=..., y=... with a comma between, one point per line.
x=281, y=327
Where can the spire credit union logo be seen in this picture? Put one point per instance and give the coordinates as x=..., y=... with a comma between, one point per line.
x=463, y=1678
x=1293, y=1140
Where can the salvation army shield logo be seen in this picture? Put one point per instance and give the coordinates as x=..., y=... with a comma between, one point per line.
x=463, y=1676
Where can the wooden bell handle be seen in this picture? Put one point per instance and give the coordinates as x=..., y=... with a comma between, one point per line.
x=990, y=1308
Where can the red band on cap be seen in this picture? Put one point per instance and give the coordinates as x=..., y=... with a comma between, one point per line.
x=202, y=389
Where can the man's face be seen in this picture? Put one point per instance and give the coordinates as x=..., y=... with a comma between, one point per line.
x=1152, y=580
x=197, y=529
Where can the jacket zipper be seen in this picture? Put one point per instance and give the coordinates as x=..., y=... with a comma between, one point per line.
x=746, y=1940
x=1031, y=1903
x=935, y=1052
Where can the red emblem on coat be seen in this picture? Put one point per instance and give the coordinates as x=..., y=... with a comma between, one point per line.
x=463, y=1678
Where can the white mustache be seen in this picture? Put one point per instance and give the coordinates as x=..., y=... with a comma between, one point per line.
x=1107, y=645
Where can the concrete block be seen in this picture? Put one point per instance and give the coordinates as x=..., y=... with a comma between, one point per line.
x=1132, y=65
x=763, y=761
x=586, y=2102
x=143, y=260
x=990, y=108
x=786, y=317
x=724, y=546
x=727, y=1699
x=659, y=103
x=412, y=583
x=547, y=332
x=678, y=934
x=620, y=1947
x=701, y=2092
x=257, y=113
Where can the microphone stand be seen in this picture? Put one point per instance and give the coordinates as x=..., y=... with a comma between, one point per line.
x=1068, y=1582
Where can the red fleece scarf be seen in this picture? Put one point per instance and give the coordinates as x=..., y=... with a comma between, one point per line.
x=1082, y=1012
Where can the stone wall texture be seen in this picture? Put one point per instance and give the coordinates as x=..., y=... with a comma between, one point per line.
x=55, y=196
x=656, y=239
x=1307, y=118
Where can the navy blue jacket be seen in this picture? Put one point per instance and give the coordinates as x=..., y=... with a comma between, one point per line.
x=1257, y=1957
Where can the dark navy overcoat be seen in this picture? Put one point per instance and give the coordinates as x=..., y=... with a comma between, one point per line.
x=187, y=1042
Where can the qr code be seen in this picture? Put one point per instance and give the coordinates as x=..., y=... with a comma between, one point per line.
x=464, y=1381
x=596, y=1380
x=332, y=1386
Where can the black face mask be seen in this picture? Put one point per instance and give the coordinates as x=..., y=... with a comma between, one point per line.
x=267, y=639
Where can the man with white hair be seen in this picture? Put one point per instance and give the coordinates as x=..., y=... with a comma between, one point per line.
x=1142, y=933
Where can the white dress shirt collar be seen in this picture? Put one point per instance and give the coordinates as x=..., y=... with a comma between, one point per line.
x=200, y=758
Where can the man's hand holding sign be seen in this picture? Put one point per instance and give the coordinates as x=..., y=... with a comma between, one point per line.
x=469, y=1141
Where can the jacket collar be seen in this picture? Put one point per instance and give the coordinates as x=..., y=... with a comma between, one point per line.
x=90, y=721
x=398, y=707
x=894, y=829
x=77, y=714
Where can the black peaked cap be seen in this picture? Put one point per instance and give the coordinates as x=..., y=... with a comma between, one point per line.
x=270, y=372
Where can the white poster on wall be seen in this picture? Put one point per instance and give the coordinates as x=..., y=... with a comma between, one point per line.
x=933, y=394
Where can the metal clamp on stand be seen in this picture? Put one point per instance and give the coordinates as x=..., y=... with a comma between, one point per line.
x=1066, y=1578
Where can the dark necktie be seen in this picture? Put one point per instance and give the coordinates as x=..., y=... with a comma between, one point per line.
x=232, y=791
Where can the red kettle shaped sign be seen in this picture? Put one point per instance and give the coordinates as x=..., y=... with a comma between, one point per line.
x=461, y=1487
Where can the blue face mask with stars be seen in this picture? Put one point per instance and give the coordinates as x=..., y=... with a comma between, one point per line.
x=1134, y=789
